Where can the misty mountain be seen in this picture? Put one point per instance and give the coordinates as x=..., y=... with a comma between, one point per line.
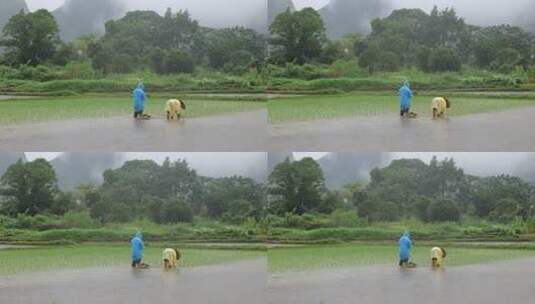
x=8, y=8
x=342, y=17
x=275, y=158
x=276, y=7
x=526, y=169
x=344, y=168
x=212, y=13
x=81, y=17
x=9, y=158
x=73, y=169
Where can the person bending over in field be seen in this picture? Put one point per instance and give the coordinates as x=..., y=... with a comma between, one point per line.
x=439, y=106
x=174, y=108
x=170, y=257
x=438, y=254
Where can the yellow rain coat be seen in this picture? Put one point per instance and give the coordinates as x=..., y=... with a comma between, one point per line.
x=170, y=255
x=439, y=106
x=174, y=108
x=438, y=254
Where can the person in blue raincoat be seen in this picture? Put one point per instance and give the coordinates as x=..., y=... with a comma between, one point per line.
x=139, y=100
x=137, y=249
x=405, y=99
x=405, y=245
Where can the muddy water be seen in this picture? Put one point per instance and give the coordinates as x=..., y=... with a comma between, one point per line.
x=235, y=283
x=510, y=130
x=497, y=283
x=234, y=132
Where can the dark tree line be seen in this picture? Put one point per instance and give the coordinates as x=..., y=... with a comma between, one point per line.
x=435, y=42
x=173, y=43
x=435, y=192
x=167, y=193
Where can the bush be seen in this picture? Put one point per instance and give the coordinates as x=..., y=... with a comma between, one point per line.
x=175, y=212
x=80, y=219
x=80, y=70
x=443, y=211
x=238, y=211
x=344, y=218
x=239, y=63
x=444, y=60
x=177, y=61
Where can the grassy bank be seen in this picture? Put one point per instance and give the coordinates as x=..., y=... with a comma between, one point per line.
x=199, y=232
x=373, y=104
x=74, y=107
x=75, y=257
x=341, y=76
x=321, y=257
x=472, y=231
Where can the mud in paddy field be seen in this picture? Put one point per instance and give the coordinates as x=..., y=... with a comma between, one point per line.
x=500, y=131
x=246, y=131
x=493, y=283
x=232, y=283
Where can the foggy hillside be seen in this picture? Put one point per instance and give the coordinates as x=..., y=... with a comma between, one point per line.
x=73, y=169
x=9, y=158
x=81, y=17
x=275, y=7
x=213, y=13
x=275, y=158
x=526, y=169
x=344, y=168
x=348, y=16
x=8, y=8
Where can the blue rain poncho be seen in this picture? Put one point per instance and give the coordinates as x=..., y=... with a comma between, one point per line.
x=137, y=246
x=405, y=245
x=405, y=96
x=139, y=98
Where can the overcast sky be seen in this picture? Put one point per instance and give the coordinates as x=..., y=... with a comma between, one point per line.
x=483, y=164
x=214, y=164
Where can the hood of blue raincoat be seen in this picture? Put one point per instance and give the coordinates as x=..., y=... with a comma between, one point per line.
x=138, y=235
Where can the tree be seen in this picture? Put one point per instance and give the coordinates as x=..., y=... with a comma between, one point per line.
x=31, y=38
x=444, y=60
x=227, y=195
x=298, y=187
x=443, y=211
x=168, y=44
x=235, y=49
x=489, y=42
x=171, y=212
x=300, y=35
x=29, y=188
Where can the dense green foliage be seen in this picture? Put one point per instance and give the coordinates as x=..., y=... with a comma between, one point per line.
x=296, y=187
x=165, y=194
x=442, y=41
x=30, y=38
x=30, y=189
x=406, y=189
x=298, y=56
x=299, y=36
